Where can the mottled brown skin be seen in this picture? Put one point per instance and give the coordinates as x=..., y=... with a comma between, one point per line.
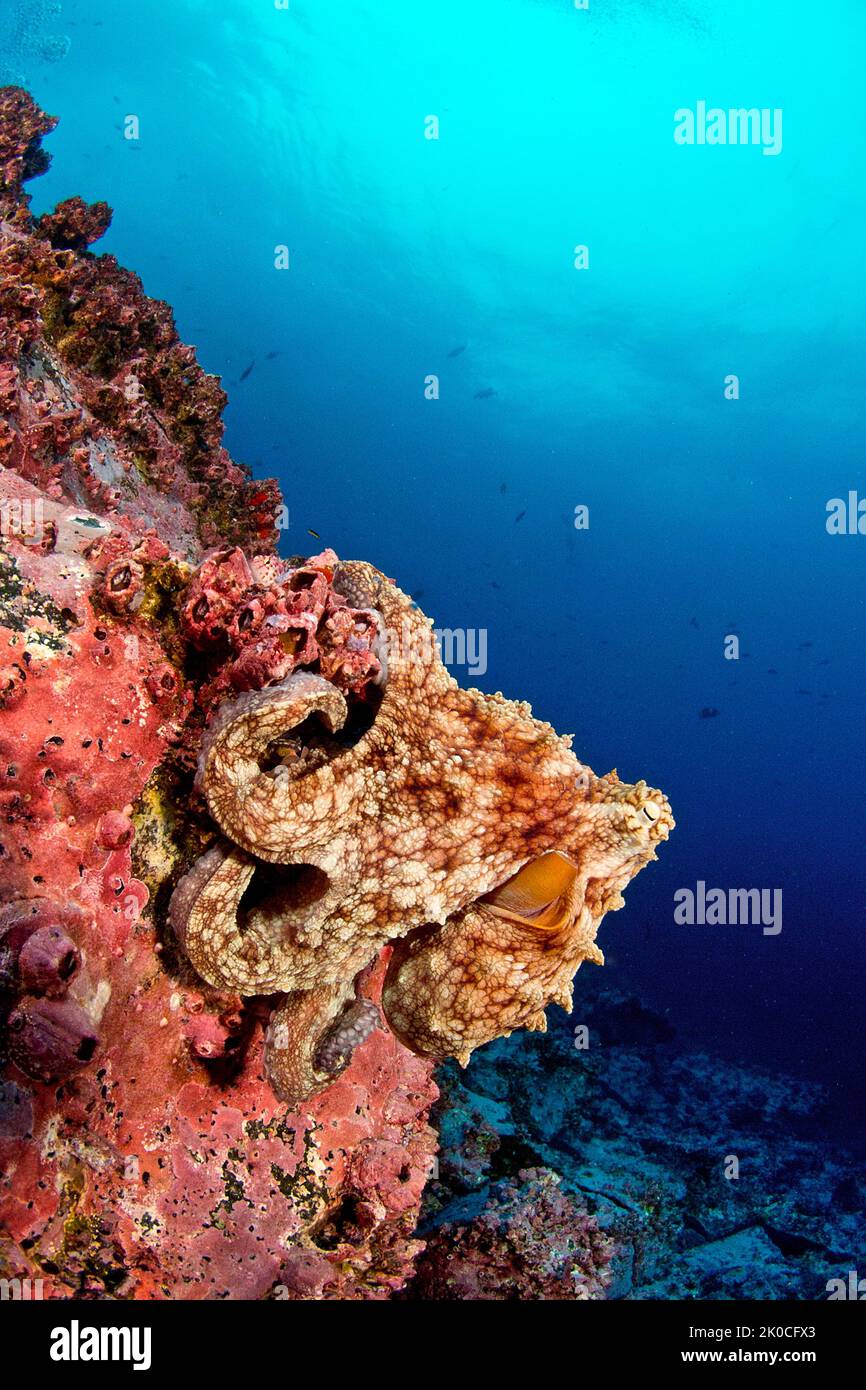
x=451, y=989
x=444, y=798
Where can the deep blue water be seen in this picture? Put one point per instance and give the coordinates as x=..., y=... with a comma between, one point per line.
x=305, y=127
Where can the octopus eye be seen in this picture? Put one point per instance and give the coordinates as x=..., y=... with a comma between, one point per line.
x=651, y=811
x=539, y=895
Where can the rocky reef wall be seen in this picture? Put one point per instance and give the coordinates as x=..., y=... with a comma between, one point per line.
x=143, y=1152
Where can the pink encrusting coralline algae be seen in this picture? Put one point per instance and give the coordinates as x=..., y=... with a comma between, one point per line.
x=143, y=1151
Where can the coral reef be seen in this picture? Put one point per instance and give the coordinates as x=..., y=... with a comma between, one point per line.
x=262, y=620
x=528, y=1241
x=642, y=1134
x=142, y=1151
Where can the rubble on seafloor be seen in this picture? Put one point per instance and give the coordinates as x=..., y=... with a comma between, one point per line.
x=641, y=1135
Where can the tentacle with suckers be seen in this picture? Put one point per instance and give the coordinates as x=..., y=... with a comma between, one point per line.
x=312, y=1036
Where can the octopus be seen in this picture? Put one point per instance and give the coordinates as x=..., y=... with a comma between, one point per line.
x=444, y=823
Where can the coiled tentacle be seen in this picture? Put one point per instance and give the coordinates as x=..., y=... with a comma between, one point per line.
x=267, y=810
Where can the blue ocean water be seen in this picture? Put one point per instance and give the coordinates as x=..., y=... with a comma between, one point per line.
x=261, y=126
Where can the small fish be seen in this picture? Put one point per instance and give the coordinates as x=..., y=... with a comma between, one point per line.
x=485, y=393
x=804, y=645
x=455, y=352
x=802, y=691
x=693, y=622
x=503, y=488
x=416, y=594
x=520, y=515
x=708, y=712
x=246, y=371
x=269, y=356
x=772, y=671
x=825, y=662
x=493, y=584
x=311, y=532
